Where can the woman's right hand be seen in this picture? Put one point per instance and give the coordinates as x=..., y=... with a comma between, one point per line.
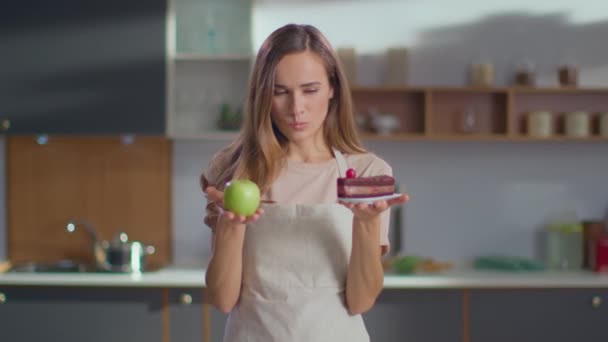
x=227, y=217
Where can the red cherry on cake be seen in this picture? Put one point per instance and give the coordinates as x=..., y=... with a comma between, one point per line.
x=350, y=173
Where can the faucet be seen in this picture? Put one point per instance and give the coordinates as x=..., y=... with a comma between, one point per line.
x=98, y=252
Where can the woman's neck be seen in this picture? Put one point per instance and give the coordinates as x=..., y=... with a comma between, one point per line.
x=309, y=153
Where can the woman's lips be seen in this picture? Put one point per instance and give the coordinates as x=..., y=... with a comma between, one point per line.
x=298, y=126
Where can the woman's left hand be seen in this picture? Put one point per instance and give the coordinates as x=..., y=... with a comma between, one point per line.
x=370, y=211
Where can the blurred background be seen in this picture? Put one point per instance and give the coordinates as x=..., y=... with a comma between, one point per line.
x=493, y=115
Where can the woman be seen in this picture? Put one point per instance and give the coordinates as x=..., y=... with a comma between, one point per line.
x=303, y=267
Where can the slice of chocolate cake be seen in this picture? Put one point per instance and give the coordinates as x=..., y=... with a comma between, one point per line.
x=362, y=187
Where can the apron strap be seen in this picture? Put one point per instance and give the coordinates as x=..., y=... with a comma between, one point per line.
x=342, y=165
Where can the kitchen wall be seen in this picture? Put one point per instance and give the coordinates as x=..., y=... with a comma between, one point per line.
x=446, y=36
x=468, y=198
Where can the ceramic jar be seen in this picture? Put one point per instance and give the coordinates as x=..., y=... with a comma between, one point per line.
x=540, y=124
x=578, y=124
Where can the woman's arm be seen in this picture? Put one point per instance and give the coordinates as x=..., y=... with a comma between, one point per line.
x=224, y=272
x=365, y=276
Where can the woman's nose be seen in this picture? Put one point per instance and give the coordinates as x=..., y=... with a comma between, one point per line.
x=296, y=107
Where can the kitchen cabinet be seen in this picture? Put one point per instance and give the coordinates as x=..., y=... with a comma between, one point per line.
x=186, y=315
x=71, y=314
x=212, y=27
x=192, y=319
x=416, y=315
x=531, y=315
x=209, y=64
x=71, y=66
x=218, y=321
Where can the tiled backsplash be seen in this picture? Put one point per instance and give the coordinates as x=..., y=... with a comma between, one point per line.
x=468, y=198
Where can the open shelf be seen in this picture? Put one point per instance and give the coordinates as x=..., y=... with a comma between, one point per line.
x=439, y=113
x=211, y=58
x=558, y=104
x=408, y=106
x=450, y=111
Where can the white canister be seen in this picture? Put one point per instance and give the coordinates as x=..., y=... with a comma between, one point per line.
x=604, y=125
x=540, y=124
x=578, y=124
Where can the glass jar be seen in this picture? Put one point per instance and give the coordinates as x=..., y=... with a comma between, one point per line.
x=564, y=246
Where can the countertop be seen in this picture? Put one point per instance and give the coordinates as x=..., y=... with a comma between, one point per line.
x=180, y=276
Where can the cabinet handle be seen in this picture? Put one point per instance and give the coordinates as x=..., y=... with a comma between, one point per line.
x=185, y=299
x=2, y=298
x=5, y=124
x=596, y=301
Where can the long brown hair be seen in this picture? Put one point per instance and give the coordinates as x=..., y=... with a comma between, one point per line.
x=258, y=152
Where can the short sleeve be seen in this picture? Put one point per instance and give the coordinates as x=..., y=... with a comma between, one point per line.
x=209, y=178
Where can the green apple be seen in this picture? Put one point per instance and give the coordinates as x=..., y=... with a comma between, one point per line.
x=242, y=197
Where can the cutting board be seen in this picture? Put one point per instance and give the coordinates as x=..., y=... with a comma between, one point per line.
x=116, y=183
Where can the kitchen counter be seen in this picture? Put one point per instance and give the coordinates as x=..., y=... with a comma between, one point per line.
x=176, y=276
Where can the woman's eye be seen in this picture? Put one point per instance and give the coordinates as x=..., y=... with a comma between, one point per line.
x=280, y=92
x=309, y=91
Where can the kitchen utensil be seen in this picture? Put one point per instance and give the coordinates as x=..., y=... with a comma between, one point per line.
x=118, y=255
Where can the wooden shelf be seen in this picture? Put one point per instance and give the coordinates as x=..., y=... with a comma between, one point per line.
x=213, y=136
x=558, y=90
x=474, y=137
x=211, y=58
x=439, y=113
x=435, y=113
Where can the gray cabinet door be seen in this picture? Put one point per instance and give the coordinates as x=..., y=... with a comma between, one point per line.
x=416, y=315
x=186, y=312
x=218, y=324
x=33, y=314
x=531, y=315
x=71, y=66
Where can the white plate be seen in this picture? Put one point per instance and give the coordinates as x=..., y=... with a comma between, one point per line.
x=369, y=199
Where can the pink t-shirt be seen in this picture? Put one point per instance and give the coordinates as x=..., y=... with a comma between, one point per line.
x=314, y=183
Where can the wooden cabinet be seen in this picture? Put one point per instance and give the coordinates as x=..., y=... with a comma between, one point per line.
x=32, y=314
x=416, y=315
x=72, y=66
x=470, y=113
x=531, y=315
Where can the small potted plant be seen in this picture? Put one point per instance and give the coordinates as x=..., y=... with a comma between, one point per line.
x=230, y=119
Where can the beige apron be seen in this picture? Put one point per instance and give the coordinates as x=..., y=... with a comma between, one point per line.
x=295, y=260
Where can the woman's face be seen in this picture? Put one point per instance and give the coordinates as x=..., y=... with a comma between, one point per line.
x=300, y=100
